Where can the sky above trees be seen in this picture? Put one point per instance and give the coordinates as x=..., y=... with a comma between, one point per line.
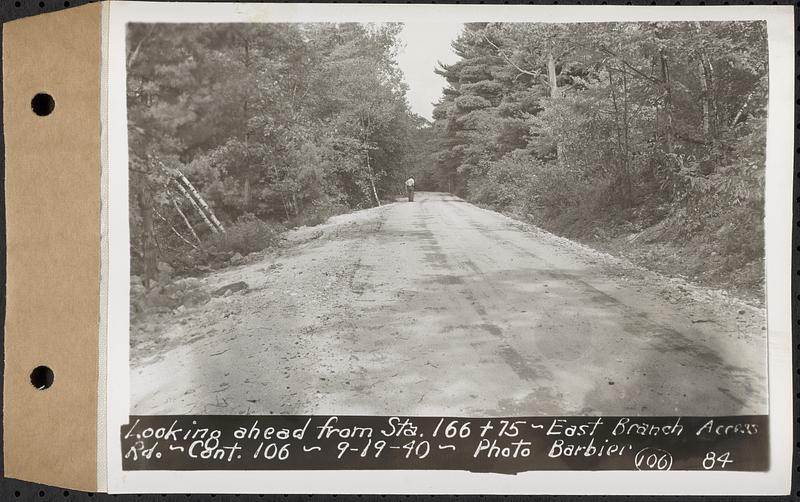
x=425, y=44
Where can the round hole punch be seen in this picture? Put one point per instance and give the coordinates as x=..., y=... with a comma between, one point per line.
x=42, y=377
x=43, y=104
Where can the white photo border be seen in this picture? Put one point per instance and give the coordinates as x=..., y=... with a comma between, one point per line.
x=778, y=230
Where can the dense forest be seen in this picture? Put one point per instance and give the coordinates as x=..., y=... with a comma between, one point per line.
x=238, y=130
x=646, y=137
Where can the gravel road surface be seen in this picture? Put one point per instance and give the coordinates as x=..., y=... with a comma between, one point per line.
x=439, y=307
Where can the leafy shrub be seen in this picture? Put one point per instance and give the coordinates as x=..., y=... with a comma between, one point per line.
x=318, y=212
x=506, y=181
x=246, y=235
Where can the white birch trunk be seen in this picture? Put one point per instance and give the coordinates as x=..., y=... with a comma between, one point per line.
x=372, y=180
x=200, y=199
x=185, y=220
x=196, y=206
x=554, y=93
x=706, y=110
x=742, y=109
x=178, y=234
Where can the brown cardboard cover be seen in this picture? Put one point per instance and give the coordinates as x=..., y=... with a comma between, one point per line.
x=53, y=233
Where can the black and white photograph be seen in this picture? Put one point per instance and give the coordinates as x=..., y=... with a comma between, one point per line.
x=449, y=249
x=486, y=219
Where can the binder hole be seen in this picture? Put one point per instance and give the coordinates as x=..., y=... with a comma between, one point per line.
x=42, y=377
x=43, y=104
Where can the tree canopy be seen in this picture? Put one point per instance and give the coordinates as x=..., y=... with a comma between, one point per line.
x=589, y=127
x=244, y=124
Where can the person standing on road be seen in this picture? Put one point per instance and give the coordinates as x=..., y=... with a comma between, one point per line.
x=410, y=189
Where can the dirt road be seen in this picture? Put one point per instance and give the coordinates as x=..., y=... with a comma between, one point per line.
x=439, y=307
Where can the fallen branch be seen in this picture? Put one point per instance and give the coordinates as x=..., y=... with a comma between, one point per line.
x=200, y=199
x=191, y=193
x=196, y=206
x=173, y=229
x=185, y=219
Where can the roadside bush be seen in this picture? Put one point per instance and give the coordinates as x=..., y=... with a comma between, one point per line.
x=557, y=198
x=509, y=182
x=248, y=234
x=318, y=212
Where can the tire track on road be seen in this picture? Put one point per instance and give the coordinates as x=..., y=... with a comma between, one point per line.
x=659, y=337
x=522, y=366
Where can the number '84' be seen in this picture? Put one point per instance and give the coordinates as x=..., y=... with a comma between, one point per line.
x=712, y=460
